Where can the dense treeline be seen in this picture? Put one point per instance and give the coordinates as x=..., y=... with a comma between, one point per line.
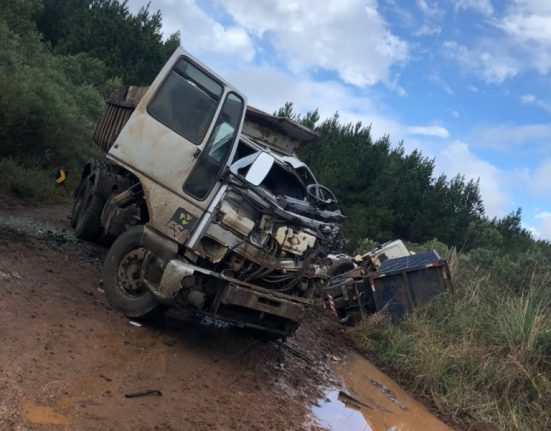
x=59, y=58
x=387, y=193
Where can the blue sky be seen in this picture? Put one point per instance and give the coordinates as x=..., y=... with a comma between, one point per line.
x=464, y=81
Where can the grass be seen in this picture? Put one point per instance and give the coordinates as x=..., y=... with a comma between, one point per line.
x=483, y=355
x=31, y=183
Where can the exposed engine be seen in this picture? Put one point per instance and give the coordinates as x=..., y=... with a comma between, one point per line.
x=274, y=235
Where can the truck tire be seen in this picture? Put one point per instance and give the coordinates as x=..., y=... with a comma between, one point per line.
x=88, y=209
x=77, y=201
x=121, y=272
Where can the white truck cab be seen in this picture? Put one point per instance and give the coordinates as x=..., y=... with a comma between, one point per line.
x=209, y=215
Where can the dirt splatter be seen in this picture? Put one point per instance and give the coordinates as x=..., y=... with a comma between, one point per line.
x=41, y=415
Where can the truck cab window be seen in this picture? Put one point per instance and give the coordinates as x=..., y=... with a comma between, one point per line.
x=186, y=101
x=215, y=155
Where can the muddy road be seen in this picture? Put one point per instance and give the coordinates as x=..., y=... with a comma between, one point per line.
x=67, y=360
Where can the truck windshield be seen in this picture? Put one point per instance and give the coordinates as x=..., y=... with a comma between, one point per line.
x=186, y=101
x=216, y=152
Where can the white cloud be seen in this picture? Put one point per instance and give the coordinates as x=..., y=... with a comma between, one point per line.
x=530, y=99
x=428, y=30
x=457, y=157
x=544, y=229
x=441, y=83
x=524, y=43
x=436, y=131
x=307, y=94
x=430, y=9
x=506, y=136
x=492, y=63
x=349, y=37
x=482, y=6
x=543, y=225
x=201, y=34
x=540, y=179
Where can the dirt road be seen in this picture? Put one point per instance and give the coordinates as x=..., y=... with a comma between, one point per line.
x=67, y=360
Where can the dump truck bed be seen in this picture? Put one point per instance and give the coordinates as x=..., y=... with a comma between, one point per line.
x=278, y=134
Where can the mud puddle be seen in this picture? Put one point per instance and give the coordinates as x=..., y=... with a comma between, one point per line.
x=371, y=402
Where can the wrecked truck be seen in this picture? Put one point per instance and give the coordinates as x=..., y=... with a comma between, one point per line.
x=208, y=206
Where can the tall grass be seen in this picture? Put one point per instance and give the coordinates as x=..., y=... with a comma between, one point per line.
x=483, y=355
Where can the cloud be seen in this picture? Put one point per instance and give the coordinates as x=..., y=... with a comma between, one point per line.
x=427, y=30
x=523, y=43
x=441, y=83
x=436, y=131
x=482, y=6
x=503, y=137
x=430, y=9
x=348, y=37
x=530, y=99
x=544, y=229
x=492, y=63
x=543, y=225
x=201, y=34
x=458, y=157
x=327, y=96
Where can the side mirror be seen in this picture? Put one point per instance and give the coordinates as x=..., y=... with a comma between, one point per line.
x=259, y=169
x=259, y=165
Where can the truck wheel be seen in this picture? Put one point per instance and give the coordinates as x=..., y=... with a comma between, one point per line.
x=88, y=208
x=77, y=201
x=122, y=273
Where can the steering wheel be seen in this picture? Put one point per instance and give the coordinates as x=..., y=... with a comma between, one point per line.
x=321, y=194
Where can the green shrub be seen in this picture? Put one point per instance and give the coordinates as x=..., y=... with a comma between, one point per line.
x=30, y=183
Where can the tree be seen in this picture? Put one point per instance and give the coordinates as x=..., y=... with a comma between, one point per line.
x=384, y=192
x=131, y=46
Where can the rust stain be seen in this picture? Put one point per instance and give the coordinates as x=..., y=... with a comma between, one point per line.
x=41, y=415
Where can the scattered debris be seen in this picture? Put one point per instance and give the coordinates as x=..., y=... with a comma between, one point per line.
x=347, y=398
x=9, y=276
x=143, y=393
x=294, y=351
x=388, y=393
x=104, y=377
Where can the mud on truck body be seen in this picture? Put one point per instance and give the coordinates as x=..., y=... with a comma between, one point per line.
x=208, y=207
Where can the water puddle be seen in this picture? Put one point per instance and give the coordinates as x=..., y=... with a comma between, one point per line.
x=41, y=415
x=371, y=402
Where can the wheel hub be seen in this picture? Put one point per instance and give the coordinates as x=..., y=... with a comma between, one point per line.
x=130, y=272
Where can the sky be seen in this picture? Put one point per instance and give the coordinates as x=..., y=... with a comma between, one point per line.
x=464, y=81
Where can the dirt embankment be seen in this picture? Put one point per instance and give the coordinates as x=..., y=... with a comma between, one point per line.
x=67, y=359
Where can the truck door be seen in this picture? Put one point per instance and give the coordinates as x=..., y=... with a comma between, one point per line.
x=179, y=139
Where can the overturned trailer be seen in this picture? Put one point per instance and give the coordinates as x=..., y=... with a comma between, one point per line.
x=398, y=285
x=210, y=209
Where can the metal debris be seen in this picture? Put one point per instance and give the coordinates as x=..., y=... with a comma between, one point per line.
x=294, y=351
x=143, y=393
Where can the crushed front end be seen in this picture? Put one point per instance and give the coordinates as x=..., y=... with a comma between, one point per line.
x=266, y=246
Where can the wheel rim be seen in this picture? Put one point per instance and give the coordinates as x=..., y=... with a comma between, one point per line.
x=130, y=273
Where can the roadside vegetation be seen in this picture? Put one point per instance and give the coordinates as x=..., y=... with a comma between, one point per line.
x=482, y=354
x=57, y=63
